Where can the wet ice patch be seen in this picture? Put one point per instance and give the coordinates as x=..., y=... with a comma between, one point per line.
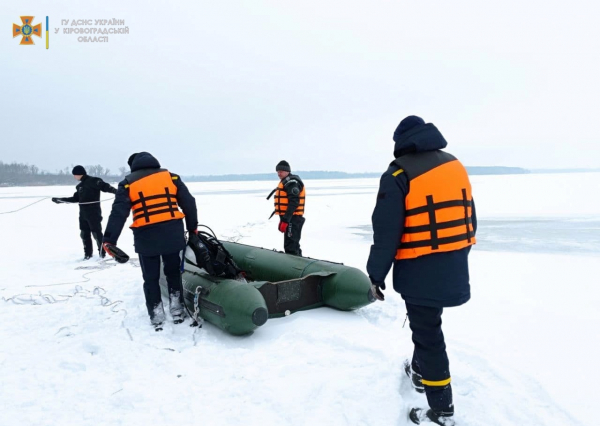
x=530, y=235
x=540, y=235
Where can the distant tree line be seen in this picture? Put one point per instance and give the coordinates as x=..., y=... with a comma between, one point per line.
x=343, y=175
x=496, y=170
x=18, y=174
x=273, y=176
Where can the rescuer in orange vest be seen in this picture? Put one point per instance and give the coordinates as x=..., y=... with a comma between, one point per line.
x=424, y=224
x=155, y=196
x=290, y=197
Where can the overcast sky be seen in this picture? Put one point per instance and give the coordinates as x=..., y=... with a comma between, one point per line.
x=235, y=86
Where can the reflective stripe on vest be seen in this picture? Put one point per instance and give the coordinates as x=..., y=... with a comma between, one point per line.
x=438, y=210
x=282, y=201
x=154, y=200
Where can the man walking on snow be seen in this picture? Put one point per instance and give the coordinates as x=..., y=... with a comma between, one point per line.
x=424, y=223
x=154, y=196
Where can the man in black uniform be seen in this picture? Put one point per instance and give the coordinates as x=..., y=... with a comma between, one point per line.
x=290, y=196
x=424, y=224
x=154, y=196
x=87, y=194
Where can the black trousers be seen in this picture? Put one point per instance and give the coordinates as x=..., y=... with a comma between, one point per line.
x=291, y=238
x=151, y=273
x=429, y=358
x=88, y=227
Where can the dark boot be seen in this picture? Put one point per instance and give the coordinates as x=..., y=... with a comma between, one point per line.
x=419, y=415
x=178, y=318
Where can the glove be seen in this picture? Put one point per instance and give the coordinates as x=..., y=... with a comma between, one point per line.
x=376, y=290
x=193, y=238
x=283, y=226
x=57, y=200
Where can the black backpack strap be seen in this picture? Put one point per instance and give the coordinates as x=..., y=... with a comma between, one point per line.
x=272, y=192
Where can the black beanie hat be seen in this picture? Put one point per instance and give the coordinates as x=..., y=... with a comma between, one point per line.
x=78, y=170
x=283, y=166
x=407, y=124
x=130, y=159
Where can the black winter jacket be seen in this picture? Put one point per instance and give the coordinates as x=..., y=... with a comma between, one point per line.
x=88, y=191
x=437, y=280
x=159, y=238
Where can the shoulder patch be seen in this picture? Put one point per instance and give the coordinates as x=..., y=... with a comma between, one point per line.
x=397, y=172
x=126, y=185
x=174, y=177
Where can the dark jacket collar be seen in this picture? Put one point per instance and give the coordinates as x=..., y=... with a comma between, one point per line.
x=83, y=178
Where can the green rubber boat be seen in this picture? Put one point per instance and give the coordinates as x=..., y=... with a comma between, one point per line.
x=273, y=284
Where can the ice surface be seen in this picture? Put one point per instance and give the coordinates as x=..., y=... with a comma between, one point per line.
x=78, y=349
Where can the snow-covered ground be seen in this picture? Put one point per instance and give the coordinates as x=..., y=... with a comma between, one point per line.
x=77, y=349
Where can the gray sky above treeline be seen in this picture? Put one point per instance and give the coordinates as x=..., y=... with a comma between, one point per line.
x=235, y=86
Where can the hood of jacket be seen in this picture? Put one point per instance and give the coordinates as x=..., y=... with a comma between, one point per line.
x=424, y=137
x=144, y=160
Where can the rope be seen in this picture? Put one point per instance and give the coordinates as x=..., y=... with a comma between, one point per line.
x=62, y=202
x=89, y=202
x=97, y=293
x=28, y=205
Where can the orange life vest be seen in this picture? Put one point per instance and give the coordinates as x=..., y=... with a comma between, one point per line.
x=281, y=198
x=438, y=205
x=153, y=198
